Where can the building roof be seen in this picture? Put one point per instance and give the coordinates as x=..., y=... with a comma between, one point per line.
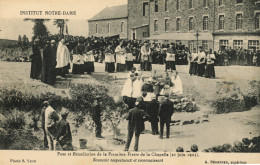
x=136, y=27
x=106, y=35
x=111, y=13
x=181, y=36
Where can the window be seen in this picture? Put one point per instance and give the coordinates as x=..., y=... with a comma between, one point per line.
x=122, y=27
x=178, y=24
x=253, y=44
x=238, y=44
x=191, y=45
x=205, y=23
x=166, y=25
x=239, y=1
x=144, y=34
x=221, y=22
x=221, y=2
x=166, y=5
x=257, y=21
x=177, y=4
x=96, y=28
x=205, y=3
x=239, y=21
x=223, y=44
x=108, y=27
x=156, y=8
x=190, y=4
x=156, y=25
x=205, y=45
x=191, y=23
x=145, y=4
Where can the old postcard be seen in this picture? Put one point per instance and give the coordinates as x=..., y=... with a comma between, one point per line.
x=129, y=82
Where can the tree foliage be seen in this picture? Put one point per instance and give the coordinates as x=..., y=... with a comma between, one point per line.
x=61, y=23
x=39, y=28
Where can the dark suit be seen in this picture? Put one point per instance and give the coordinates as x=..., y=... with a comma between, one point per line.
x=147, y=87
x=136, y=118
x=165, y=112
x=152, y=110
x=96, y=114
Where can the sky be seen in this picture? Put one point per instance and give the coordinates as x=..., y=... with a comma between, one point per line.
x=12, y=23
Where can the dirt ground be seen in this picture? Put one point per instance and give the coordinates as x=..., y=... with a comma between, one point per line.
x=211, y=129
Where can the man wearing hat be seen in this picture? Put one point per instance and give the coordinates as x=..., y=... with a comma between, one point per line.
x=165, y=112
x=51, y=117
x=63, y=132
x=96, y=114
x=136, y=118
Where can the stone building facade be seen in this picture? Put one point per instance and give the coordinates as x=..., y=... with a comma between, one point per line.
x=111, y=21
x=214, y=24
x=138, y=19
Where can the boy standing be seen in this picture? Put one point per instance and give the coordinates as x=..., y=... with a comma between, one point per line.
x=63, y=132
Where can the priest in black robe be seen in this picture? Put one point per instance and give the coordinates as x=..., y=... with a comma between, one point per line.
x=53, y=62
x=36, y=64
x=45, y=75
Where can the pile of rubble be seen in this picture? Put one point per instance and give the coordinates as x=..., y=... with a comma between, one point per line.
x=246, y=145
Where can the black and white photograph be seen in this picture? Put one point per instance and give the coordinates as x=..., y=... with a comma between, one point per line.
x=131, y=76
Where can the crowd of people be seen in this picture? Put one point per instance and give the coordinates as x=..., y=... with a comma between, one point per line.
x=55, y=55
x=238, y=56
x=202, y=63
x=149, y=100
